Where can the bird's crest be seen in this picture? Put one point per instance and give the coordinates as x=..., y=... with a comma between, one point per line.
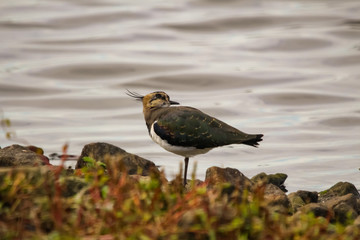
x=135, y=95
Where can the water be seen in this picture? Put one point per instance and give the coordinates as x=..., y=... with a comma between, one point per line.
x=287, y=69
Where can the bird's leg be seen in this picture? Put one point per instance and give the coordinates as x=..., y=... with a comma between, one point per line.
x=186, y=167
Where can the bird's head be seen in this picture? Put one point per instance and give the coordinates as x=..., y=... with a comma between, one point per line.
x=153, y=100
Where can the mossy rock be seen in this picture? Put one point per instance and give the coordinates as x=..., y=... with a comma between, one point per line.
x=276, y=199
x=301, y=198
x=277, y=179
x=345, y=207
x=295, y=201
x=228, y=176
x=105, y=152
x=338, y=190
x=319, y=210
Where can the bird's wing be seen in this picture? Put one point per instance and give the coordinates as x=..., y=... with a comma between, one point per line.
x=189, y=127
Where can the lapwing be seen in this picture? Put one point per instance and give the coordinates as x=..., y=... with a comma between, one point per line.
x=187, y=131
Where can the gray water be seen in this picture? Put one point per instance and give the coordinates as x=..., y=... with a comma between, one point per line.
x=287, y=69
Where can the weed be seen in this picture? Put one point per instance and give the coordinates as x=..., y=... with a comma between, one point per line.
x=114, y=205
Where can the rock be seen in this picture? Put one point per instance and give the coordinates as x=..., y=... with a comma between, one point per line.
x=308, y=197
x=35, y=149
x=106, y=152
x=16, y=155
x=345, y=207
x=217, y=175
x=276, y=198
x=40, y=152
x=344, y=213
x=277, y=179
x=296, y=202
x=301, y=198
x=348, y=199
x=338, y=190
x=319, y=210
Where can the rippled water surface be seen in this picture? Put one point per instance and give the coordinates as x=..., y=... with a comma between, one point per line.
x=287, y=69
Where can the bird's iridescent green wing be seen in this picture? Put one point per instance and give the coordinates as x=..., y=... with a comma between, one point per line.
x=188, y=127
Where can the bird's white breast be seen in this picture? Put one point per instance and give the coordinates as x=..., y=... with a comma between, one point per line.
x=182, y=151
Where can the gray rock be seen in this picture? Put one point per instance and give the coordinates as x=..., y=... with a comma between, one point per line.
x=217, y=175
x=344, y=213
x=319, y=210
x=338, y=190
x=16, y=155
x=348, y=199
x=301, y=198
x=344, y=207
x=106, y=152
x=296, y=202
x=277, y=179
x=276, y=198
x=308, y=197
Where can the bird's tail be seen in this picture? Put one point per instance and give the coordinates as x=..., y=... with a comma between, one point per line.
x=254, y=141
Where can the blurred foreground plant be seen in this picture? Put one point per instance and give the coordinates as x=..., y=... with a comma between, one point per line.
x=40, y=203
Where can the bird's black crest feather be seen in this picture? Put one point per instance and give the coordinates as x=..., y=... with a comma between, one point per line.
x=135, y=95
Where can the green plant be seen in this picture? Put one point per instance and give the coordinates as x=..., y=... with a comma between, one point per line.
x=114, y=205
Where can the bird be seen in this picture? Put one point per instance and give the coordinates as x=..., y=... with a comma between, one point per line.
x=187, y=131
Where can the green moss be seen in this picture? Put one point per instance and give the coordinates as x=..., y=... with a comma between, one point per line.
x=323, y=192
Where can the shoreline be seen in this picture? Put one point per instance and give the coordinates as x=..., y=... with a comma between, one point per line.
x=98, y=182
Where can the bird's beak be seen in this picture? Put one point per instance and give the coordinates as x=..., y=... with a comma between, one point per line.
x=174, y=103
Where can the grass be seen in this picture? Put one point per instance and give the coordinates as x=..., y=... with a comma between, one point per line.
x=38, y=203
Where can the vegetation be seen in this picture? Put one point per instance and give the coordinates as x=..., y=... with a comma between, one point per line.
x=38, y=203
